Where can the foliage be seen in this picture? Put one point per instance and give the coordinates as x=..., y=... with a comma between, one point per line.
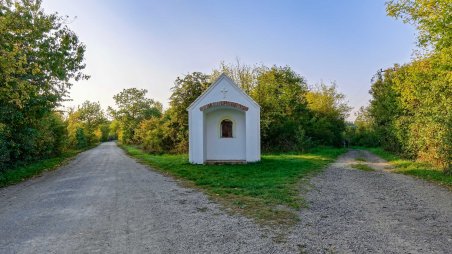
x=267, y=191
x=244, y=76
x=329, y=111
x=132, y=108
x=153, y=135
x=281, y=94
x=185, y=91
x=86, y=125
x=412, y=109
x=432, y=18
x=39, y=56
x=103, y=131
x=80, y=138
x=113, y=130
x=362, y=131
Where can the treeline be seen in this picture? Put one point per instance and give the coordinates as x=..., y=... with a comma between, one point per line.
x=39, y=57
x=411, y=108
x=294, y=117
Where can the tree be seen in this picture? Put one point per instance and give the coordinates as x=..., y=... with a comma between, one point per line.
x=385, y=109
x=411, y=106
x=432, y=18
x=132, y=108
x=329, y=111
x=185, y=91
x=92, y=117
x=154, y=135
x=412, y=109
x=89, y=117
x=244, y=76
x=281, y=94
x=113, y=130
x=39, y=57
x=362, y=131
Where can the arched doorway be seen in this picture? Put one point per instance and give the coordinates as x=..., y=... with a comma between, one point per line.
x=224, y=134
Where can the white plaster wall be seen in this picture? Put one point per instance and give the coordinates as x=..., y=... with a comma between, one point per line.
x=196, y=137
x=218, y=148
x=253, y=135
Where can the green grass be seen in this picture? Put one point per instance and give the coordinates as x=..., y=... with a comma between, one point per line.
x=417, y=169
x=362, y=167
x=360, y=159
x=268, y=191
x=21, y=173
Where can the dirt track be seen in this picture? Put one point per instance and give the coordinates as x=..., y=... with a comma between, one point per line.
x=105, y=202
x=353, y=211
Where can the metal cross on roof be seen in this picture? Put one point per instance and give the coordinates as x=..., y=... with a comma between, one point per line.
x=224, y=91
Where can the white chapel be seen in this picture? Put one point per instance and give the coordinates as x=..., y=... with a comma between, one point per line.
x=224, y=125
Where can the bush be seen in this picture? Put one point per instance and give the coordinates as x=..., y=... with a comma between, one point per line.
x=152, y=134
x=80, y=137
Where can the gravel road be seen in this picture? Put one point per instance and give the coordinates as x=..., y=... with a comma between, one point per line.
x=353, y=211
x=105, y=202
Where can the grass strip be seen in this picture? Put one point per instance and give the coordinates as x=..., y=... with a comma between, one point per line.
x=267, y=191
x=362, y=167
x=417, y=169
x=21, y=173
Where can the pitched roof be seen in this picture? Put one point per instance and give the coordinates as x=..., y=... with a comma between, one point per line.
x=214, y=84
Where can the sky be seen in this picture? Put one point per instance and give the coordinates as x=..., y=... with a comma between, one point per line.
x=148, y=44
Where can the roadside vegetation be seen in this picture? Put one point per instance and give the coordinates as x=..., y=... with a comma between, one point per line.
x=20, y=173
x=418, y=169
x=410, y=113
x=40, y=57
x=362, y=167
x=267, y=191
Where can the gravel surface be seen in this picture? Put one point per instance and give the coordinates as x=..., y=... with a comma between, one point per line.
x=105, y=202
x=353, y=211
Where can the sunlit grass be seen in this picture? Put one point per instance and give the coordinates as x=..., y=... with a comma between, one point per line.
x=268, y=191
x=362, y=167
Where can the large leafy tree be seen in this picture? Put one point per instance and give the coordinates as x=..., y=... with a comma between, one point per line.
x=39, y=57
x=133, y=107
x=329, y=111
x=281, y=93
x=85, y=125
x=185, y=91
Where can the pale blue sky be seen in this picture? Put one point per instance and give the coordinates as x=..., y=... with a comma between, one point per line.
x=147, y=44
